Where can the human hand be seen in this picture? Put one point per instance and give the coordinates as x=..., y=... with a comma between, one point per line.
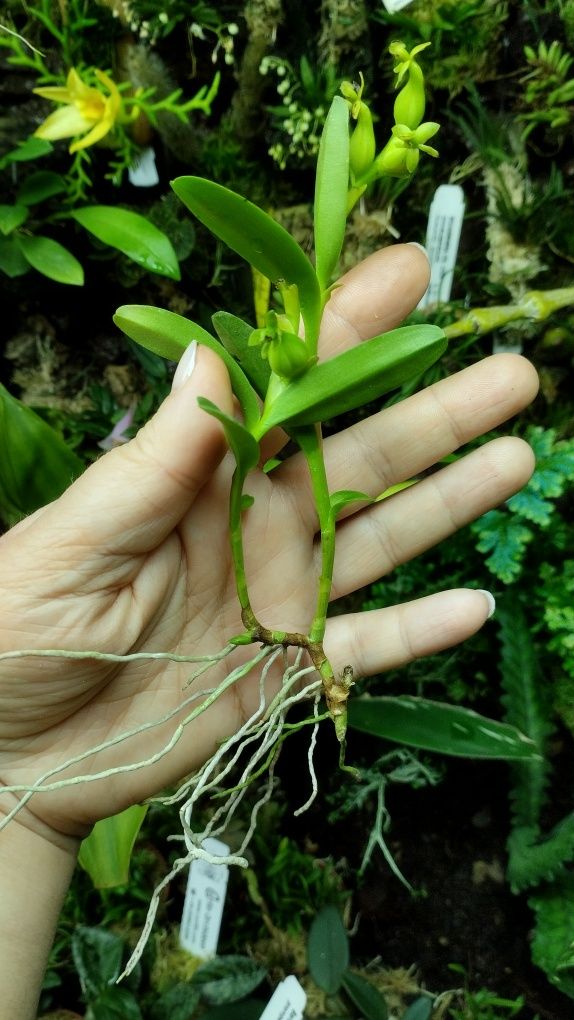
x=135, y=556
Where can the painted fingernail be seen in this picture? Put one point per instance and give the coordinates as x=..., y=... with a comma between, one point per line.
x=421, y=247
x=490, y=599
x=185, y=367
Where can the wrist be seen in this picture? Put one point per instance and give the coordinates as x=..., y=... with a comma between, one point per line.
x=36, y=866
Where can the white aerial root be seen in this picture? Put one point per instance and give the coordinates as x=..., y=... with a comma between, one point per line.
x=253, y=749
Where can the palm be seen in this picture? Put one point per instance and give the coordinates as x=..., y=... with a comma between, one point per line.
x=117, y=570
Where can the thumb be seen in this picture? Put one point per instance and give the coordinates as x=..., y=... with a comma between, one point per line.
x=133, y=496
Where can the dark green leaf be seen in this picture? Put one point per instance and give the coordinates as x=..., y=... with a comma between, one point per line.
x=114, y=1004
x=249, y=1009
x=355, y=377
x=365, y=997
x=447, y=729
x=106, y=853
x=328, y=950
x=51, y=259
x=168, y=335
x=40, y=186
x=32, y=148
x=98, y=958
x=35, y=463
x=12, y=262
x=553, y=938
x=331, y=184
x=177, y=1003
x=244, y=447
x=256, y=237
x=12, y=216
x=133, y=235
x=345, y=497
x=234, y=334
x=228, y=978
x=420, y=1009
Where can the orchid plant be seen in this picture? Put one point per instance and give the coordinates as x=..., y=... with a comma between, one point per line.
x=279, y=381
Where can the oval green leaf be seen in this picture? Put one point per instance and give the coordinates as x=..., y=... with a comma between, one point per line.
x=168, y=334
x=234, y=334
x=228, y=978
x=256, y=237
x=131, y=234
x=106, y=853
x=12, y=216
x=331, y=183
x=446, y=729
x=356, y=376
x=35, y=463
x=328, y=950
x=345, y=497
x=365, y=997
x=40, y=186
x=51, y=259
x=420, y=1009
x=12, y=262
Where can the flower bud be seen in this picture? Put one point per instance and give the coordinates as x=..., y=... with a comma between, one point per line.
x=362, y=146
x=409, y=105
x=288, y=356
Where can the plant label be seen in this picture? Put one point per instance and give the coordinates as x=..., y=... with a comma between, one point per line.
x=287, y=1002
x=204, y=900
x=443, y=235
x=143, y=172
x=396, y=5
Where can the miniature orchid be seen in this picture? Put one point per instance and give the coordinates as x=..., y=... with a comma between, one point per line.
x=88, y=112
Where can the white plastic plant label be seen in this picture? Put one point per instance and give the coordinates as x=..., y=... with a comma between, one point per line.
x=443, y=236
x=287, y=1002
x=396, y=5
x=143, y=173
x=204, y=900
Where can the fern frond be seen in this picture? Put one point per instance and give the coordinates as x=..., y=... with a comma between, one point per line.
x=553, y=942
x=533, y=861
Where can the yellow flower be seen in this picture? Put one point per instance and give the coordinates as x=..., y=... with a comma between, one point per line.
x=86, y=109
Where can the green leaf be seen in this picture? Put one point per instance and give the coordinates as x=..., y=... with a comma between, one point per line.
x=12, y=262
x=12, y=216
x=106, y=853
x=244, y=447
x=420, y=1009
x=97, y=957
x=331, y=183
x=133, y=235
x=328, y=950
x=505, y=537
x=249, y=1009
x=177, y=1003
x=365, y=997
x=51, y=259
x=115, y=1004
x=432, y=726
x=255, y=236
x=355, y=377
x=345, y=497
x=554, y=933
x=32, y=148
x=168, y=334
x=40, y=186
x=228, y=978
x=35, y=463
x=234, y=334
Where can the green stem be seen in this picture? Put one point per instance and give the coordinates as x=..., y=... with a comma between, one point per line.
x=236, y=538
x=311, y=443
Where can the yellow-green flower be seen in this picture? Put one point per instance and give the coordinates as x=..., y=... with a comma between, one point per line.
x=88, y=112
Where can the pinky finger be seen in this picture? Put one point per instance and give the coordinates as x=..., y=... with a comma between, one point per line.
x=383, y=639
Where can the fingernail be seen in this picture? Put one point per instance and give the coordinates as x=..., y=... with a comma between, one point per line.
x=185, y=367
x=490, y=599
x=421, y=247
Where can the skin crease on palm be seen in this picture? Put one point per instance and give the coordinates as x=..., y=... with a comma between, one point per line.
x=134, y=556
